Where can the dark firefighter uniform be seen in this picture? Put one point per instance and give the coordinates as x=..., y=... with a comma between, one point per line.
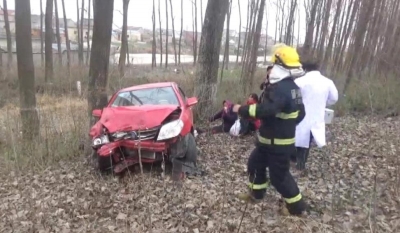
x=280, y=111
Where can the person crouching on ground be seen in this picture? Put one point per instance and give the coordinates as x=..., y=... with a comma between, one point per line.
x=228, y=118
x=318, y=91
x=250, y=124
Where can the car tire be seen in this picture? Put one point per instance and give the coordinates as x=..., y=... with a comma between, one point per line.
x=191, y=152
x=104, y=163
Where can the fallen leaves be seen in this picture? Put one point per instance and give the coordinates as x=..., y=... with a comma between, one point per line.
x=352, y=186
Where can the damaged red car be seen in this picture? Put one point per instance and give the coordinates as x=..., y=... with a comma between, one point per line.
x=148, y=123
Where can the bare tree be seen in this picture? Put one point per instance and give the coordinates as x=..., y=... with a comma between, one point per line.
x=161, y=40
x=66, y=38
x=180, y=36
x=49, y=41
x=58, y=34
x=8, y=33
x=210, y=45
x=154, y=43
x=201, y=13
x=289, y=28
x=99, y=55
x=173, y=32
x=81, y=39
x=88, y=33
x=166, y=33
x=195, y=54
x=124, y=38
x=41, y=33
x=227, y=39
x=240, y=33
x=266, y=35
x=26, y=70
x=79, y=35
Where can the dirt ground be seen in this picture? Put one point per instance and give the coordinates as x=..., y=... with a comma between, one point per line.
x=352, y=186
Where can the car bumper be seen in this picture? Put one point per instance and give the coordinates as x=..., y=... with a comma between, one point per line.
x=108, y=149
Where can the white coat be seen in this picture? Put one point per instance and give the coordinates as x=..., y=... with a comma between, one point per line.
x=317, y=91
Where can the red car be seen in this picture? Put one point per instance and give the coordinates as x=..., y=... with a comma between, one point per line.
x=152, y=122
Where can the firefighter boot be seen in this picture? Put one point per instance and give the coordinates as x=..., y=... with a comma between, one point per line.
x=252, y=196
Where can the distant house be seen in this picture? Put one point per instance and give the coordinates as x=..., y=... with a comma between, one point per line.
x=11, y=19
x=189, y=36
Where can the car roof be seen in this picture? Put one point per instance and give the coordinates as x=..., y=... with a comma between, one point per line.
x=148, y=85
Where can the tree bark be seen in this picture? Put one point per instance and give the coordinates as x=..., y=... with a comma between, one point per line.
x=100, y=54
x=210, y=45
x=173, y=32
x=166, y=34
x=154, y=43
x=240, y=33
x=308, y=41
x=289, y=34
x=41, y=34
x=26, y=70
x=8, y=34
x=58, y=34
x=66, y=38
x=328, y=53
x=161, y=40
x=49, y=41
x=88, y=35
x=82, y=34
x=180, y=36
x=78, y=29
x=124, y=38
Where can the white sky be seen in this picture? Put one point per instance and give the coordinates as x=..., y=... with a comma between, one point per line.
x=140, y=13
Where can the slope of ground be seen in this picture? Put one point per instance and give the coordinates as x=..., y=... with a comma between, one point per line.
x=352, y=186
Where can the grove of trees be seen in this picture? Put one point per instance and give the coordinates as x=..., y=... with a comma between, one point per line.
x=352, y=38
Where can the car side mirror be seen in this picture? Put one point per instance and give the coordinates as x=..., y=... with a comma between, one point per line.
x=191, y=101
x=96, y=112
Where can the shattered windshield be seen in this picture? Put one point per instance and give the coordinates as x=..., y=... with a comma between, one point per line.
x=148, y=96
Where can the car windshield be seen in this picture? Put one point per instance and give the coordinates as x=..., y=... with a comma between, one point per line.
x=148, y=96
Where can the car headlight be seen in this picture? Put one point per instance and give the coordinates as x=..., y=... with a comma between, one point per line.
x=170, y=130
x=119, y=135
x=100, y=141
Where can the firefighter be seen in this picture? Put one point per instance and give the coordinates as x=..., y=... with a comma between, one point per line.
x=281, y=110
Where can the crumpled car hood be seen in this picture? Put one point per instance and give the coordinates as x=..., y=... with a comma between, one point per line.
x=117, y=119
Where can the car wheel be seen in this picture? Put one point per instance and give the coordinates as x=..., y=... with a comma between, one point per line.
x=191, y=152
x=104, y=163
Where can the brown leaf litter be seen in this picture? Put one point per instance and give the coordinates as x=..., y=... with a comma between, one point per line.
x=352, y=186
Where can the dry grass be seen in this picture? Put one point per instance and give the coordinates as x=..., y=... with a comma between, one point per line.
x=47, y=185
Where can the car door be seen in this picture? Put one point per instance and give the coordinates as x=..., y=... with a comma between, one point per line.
x=187, y=114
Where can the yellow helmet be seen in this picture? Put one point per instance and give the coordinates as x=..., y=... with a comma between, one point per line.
x=286, y=56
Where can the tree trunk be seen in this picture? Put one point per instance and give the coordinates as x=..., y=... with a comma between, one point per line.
x=266, y=36
x=289, y=34
x=328, y=53
x=82, y=34
x=78, y=38
x=173, y=33
x=88, y=34
x=308, y=41
x=196, y=33
x=58, y=34
x=49, y=41
x=100, y=53
x=225, y=59
x=256, y=42
x=210, y=45
x=166, y=34
x=8, y=34
x=240, y=34
x=154, y=43
x=124, y=38
x=161, y=40
x=41, y=34
x=26, y=70
x=201, y=13
x=180, y=36
x=66, y=38
x=325, y=26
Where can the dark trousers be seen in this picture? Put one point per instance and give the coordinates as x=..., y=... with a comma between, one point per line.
x=246, y=126
x=279, y=175
x=301, y=155
x=224, y=128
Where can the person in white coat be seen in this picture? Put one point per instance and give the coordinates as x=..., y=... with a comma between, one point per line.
x=318, y=92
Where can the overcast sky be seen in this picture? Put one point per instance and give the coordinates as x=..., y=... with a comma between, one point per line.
x=140, y=13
